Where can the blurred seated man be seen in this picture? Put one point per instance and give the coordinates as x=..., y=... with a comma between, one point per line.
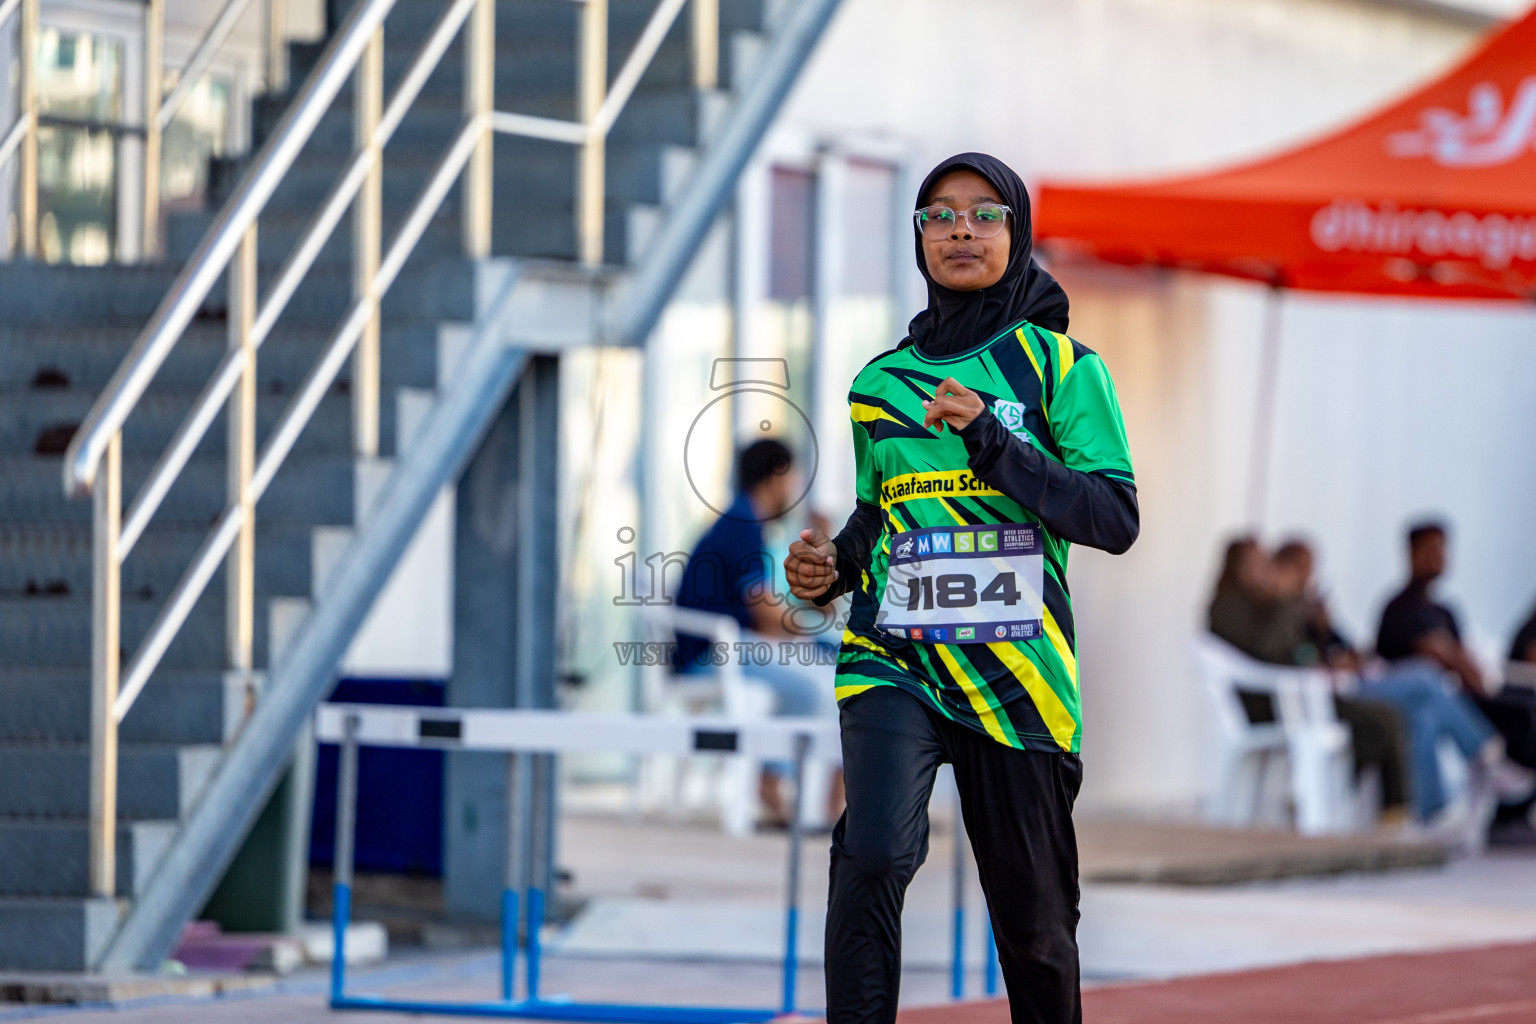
x=1261, y=607
x=731, y=573
x=1518, y=820
x=1522, y=655
x=1417, y=631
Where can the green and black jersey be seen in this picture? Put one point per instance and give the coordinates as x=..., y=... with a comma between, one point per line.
x=1050, y=450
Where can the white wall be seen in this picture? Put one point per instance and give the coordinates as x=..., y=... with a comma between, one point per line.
x=1108, y=87
x=1386, y=410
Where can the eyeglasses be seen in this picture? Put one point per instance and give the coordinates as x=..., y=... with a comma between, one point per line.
x=984, y=219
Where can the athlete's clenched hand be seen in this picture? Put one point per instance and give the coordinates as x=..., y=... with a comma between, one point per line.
x=953, y=403
x=809, y=566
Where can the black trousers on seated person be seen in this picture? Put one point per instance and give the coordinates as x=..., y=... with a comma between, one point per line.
x=1513, y=713
x=1017, y=808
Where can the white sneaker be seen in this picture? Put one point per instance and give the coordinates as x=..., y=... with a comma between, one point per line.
x=1463, y=825
x=1508, y=782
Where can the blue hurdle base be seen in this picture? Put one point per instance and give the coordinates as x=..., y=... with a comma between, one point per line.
x=532, y=1007
x=536, y=1009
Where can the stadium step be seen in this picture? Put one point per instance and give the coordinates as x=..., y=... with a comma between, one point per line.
x=64, y=331
x=52, y=779
x=178, y=706
x=51, y=857
x=55, y=933
x=85, y=355
x=48, y=559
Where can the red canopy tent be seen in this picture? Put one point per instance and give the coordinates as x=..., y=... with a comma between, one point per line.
x=1433, y=196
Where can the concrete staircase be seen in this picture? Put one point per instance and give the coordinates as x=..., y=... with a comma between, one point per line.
x=64, y=330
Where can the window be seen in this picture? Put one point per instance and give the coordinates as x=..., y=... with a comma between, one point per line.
x=79, y=87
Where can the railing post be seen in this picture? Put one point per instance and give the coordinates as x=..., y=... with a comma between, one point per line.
x=706, y=44
x=479, y=100
x=277, y=45
x=154, y=73
x=27, y=199
x=240, y=571
x=591, y=89
x=105, y=626
x=368, y=107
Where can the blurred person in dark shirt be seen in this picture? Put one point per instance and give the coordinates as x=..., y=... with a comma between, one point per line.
x=1416, y=629
x=1418, y=689
x=1269, y=608
x=1518, y=820
x=1414, y=625
x=1522, y=656
x=730, y=572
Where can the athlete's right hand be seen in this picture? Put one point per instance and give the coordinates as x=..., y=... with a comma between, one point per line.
x=809, y=566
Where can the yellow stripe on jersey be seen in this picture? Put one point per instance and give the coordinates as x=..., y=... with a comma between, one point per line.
x=1064, y=356
x=867, y=413
x=1063, y=649
x=951, y=510
x=1031, y=353
x=936, y=484
x=1054, y=713
x=844, y=692
x=984, y=710
x=850, y=637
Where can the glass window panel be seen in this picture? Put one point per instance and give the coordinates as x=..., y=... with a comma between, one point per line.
x=77, y=188
x=792, y=254
x=861, y=319
x=786, y=321
x=79, y=75
x=867, y=207
x=197, y=134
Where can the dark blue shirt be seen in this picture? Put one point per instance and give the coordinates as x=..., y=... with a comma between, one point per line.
x=728, y=565
x=1407, y=619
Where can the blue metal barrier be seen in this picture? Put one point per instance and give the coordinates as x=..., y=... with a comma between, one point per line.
x=532, y=1006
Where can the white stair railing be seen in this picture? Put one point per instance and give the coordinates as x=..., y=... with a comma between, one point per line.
x=93, y=461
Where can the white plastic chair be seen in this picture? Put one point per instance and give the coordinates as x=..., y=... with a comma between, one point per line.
x=1317, y=747
x=671, y=783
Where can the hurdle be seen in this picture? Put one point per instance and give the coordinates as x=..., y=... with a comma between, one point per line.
x=518, y=733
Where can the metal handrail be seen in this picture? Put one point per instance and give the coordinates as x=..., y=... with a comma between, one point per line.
x=231, y=243
x=191, y=287
x=321, y=376
x=13, y=139
x=154, y=343
x=289, y=277
x=202, y=56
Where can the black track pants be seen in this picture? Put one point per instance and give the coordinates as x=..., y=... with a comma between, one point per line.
x=1017, y=807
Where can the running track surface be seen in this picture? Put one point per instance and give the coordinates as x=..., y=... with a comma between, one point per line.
x=1493, y=985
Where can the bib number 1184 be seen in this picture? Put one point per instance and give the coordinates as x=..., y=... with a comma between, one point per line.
x=958, y=590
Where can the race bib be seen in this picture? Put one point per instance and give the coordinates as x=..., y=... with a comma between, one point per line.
x=964, y=584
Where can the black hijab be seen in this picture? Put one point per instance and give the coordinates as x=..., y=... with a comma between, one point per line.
x=956, y=321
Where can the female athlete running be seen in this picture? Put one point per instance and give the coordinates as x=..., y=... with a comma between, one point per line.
x=986, y=443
